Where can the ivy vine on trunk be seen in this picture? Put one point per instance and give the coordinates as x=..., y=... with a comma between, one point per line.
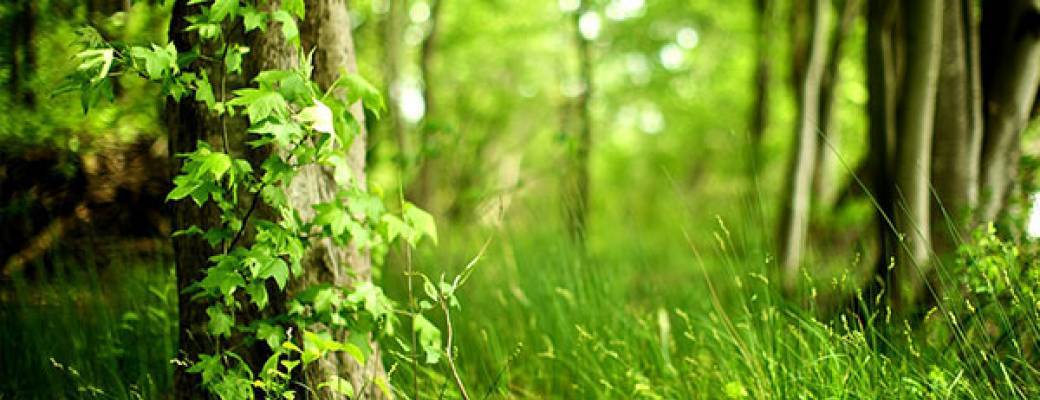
x=275, y=220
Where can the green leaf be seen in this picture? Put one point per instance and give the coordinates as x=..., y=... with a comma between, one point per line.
x=429, y=338
x=272, y=334
x=222, y=9
x=338, y=385
x=254, y=19
x=421, y=221
x=296, y=7
x=332, y=216
x=233, y=61
x=276, y=268
x=257, y=292
x=223, y=279
x=289, y=29
x=260, y=103
x=204, y=91
x=395, y=227
x=359, y=88
x=158, y=61
x=220, y=323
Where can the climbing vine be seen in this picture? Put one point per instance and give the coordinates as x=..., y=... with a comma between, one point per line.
x=305, y=126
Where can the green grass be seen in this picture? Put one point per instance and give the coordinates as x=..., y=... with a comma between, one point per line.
x=646, y=314
x=78, y=330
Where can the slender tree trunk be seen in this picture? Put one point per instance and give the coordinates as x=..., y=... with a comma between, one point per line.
x=422, y=191
x=577, y=200
x=392, y=28
x=794, y=228
x=958, y=129
x=759, y=120
x=914, y=146
x=824, y=189
x=1010, y=89
x=22, y=53
x=883, y=72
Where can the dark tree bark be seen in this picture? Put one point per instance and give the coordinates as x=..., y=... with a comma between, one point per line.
x=1011, y=70
x=883, y=76
x=188, y=123
x=22, y=53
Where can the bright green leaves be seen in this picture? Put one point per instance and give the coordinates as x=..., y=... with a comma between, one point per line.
x=295, y=7
x=316, y=345
x=220, y=323
x=429, y=338
x=271, y=267
x=253, y=19
x=233, y=60
x=222, y=9
x=96, y=59
x=289, y=29
x=204, y=171
x=259, y=253
x=414, y=225
x=260, y=103
x=338, y=385
x=360, y=89
x=223, y=279
x=159, y=61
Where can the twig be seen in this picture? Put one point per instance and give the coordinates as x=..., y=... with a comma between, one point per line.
x=448, y=349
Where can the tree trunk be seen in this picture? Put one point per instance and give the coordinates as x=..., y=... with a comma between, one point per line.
x=392, y=28
x=421, y=192
x=914, y=146
x=824, y=189
x=327, y=29
x=883, y=72
x=188, y=123
x=794, y=228
x=22, y=53
x=759, y=120
x=1010, y=90
x=958, y=129
x=577, y=198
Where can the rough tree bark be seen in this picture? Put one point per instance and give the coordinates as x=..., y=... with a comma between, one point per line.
x=914, y=146
x=327, y=30
x=1012, y=33
x=958, y=129
x=795, y=223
